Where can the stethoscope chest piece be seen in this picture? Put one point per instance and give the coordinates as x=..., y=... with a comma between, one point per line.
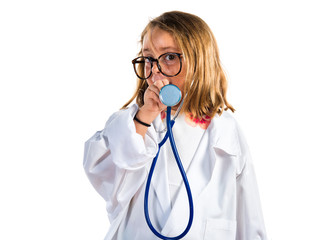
x=170, y=95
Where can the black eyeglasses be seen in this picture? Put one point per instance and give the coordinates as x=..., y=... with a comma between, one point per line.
x=169, y=64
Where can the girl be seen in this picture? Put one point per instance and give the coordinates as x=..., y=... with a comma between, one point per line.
x=177, y=48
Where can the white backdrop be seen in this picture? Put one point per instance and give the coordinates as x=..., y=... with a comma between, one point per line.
x=65, y=66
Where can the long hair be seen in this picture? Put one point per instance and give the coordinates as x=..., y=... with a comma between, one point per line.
x=205, y=83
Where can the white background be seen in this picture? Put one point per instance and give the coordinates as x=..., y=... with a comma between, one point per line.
x=65, y=67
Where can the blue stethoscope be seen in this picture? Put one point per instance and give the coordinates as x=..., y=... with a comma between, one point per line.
x=170, y=95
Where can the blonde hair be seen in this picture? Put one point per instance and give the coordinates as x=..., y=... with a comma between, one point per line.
x=205, y=83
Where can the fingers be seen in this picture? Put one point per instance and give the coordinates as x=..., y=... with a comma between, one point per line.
x=165, y=82
x=151, y=97
x=157, y=86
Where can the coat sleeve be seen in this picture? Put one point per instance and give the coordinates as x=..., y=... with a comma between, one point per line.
x=115, y=160
x=250, y=223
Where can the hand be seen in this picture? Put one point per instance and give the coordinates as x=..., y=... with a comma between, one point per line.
x=152, y=104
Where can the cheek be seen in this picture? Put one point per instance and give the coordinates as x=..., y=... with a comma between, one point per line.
x=179, y=82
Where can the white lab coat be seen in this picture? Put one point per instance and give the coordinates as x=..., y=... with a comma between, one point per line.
x=221, y=177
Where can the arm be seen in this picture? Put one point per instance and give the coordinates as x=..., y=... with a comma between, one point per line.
x=250, y=223
x=115, y=160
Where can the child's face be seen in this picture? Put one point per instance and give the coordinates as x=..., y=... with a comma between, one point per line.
x=155, y=43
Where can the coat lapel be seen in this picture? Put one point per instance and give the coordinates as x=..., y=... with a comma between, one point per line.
x=160, y=185
x=159, y=181
x=199, y=174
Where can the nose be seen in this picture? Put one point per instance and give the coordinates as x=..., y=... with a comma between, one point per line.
x=155, y=68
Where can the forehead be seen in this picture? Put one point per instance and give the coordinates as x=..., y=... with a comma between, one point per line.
x=158, y=41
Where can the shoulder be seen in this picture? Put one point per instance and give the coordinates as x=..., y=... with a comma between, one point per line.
x=225, y=119
x=123, y=114
x=224, y=133
x=224, y=124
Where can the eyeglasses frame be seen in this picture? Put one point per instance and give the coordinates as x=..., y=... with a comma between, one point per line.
x=151, y=59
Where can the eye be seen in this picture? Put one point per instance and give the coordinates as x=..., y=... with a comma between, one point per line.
x=170, y=57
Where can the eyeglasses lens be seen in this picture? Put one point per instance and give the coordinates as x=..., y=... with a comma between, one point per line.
x=169, y=65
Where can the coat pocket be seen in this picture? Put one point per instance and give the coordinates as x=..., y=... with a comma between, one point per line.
x=220, y=229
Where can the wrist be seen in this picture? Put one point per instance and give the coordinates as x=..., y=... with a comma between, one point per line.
x=145, y=116
x=141, y=122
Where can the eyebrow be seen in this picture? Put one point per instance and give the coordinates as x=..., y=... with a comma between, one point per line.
x=162, y=49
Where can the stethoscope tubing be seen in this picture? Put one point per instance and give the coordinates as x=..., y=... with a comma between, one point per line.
x=169, y=134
